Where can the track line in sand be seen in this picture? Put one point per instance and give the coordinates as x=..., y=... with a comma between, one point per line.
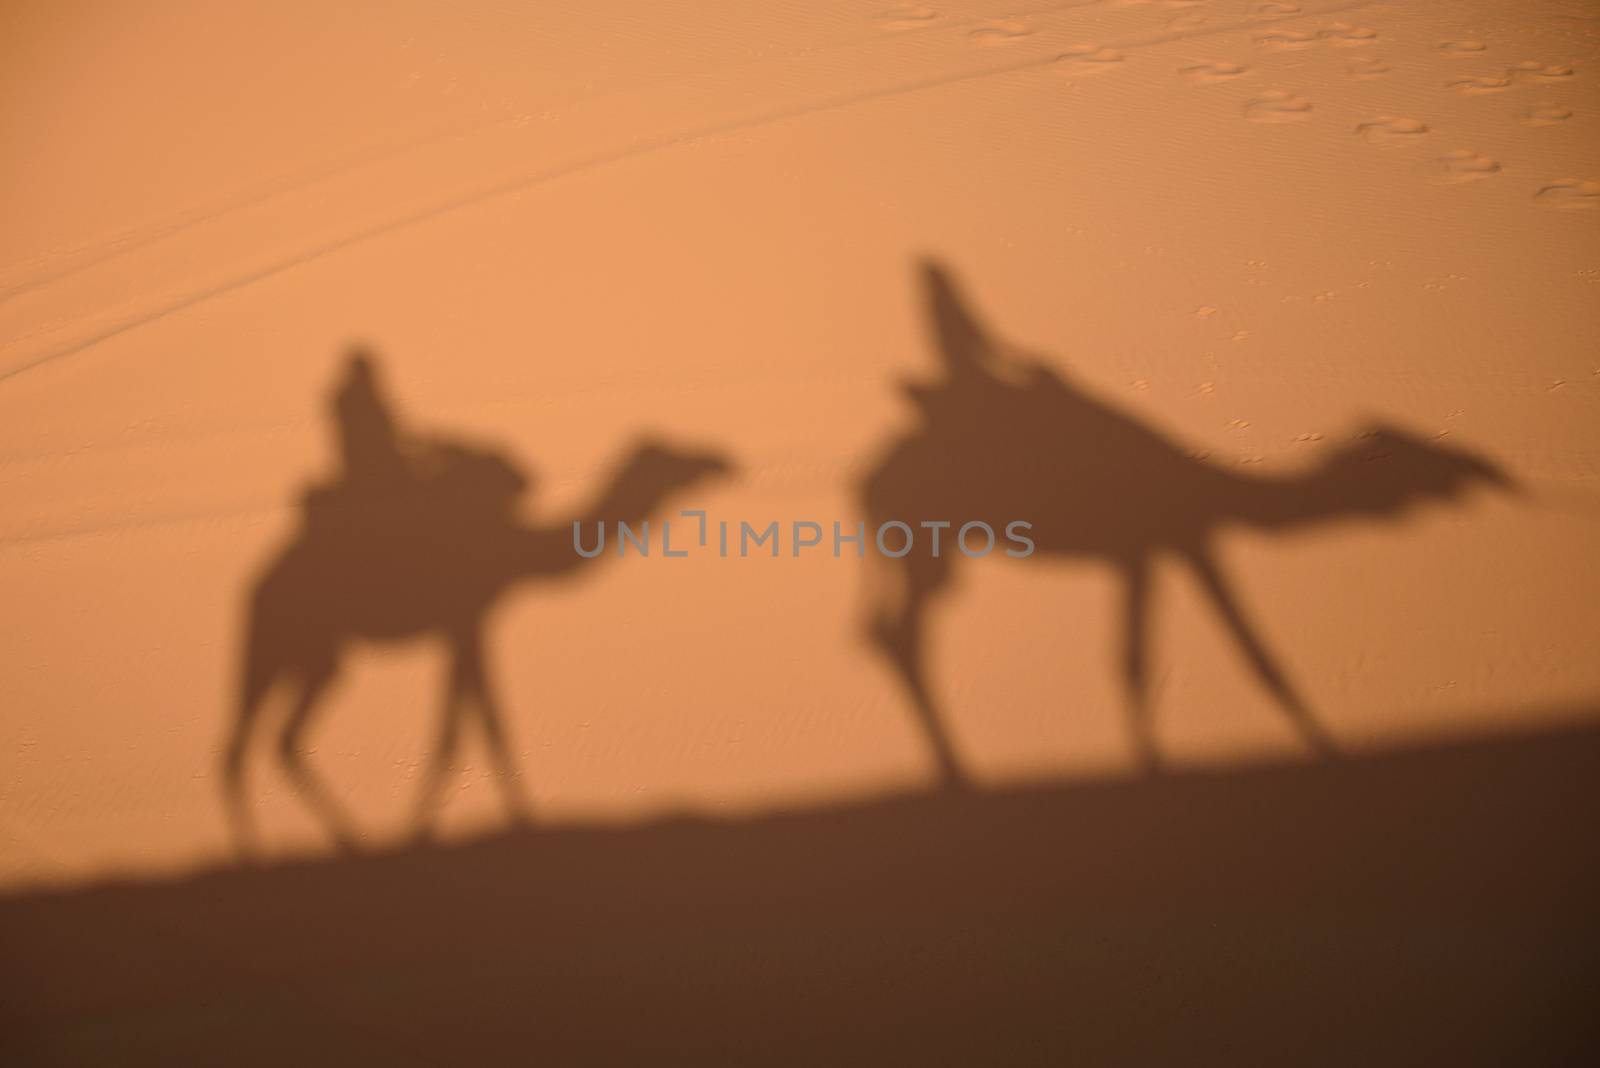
x=48, y=268
x=638, y=148
x=53, y=267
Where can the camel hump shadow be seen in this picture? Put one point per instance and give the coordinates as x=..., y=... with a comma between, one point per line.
x=415, y=535
x=1003, y=436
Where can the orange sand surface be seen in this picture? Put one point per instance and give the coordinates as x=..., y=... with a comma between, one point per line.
x=1276, y=320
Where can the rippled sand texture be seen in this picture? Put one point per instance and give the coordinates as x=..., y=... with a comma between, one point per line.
x=1276, y=238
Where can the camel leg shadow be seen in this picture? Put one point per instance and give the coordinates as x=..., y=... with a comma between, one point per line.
x=468, y=691
x=1261, y=660
x=241, y=822
x=898, y=628
x=292, y=756
x=1136, y=661
x=313, y=685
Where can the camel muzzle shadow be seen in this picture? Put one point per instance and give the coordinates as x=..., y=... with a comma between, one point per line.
x=417, y=536
x=1004, y=437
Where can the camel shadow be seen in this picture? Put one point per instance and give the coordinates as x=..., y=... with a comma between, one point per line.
x=1003, y=437
x=417, y=536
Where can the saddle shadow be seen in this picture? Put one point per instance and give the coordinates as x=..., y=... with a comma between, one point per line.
x=1003, y=437
x=417, y=536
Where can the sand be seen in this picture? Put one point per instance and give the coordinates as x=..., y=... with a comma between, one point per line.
x=1308, y=289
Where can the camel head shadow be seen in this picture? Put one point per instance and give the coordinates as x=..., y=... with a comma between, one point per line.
x=1004, y=437
x=416, y=536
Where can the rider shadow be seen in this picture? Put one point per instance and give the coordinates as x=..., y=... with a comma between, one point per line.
x=1003, y=437
x=416, y=536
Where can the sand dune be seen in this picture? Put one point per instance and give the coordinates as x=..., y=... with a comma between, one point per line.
x=1430, y=905
x=1274, y=320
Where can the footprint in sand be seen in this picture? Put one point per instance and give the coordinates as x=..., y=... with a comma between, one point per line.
x=1392, y=130
x=1205, y=73
x=1000, y=31
x=1289, y=39
x=1090, y=59
x=1480, y=84
x=1571, y=194
x=1367, y=67
x=1464, y=165
x=1534, y=71
x=1277, y=105
x=906, y=16
x=1275, y=10
x=1547, y=113
x=1463, y=49
x=1343, y=35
